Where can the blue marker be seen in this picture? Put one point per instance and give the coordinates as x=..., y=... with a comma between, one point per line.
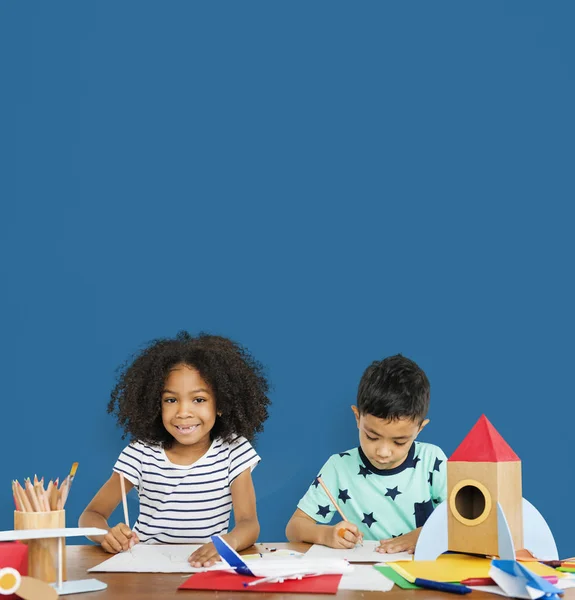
x=440, y=586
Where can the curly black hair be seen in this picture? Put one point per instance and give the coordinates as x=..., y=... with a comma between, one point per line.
x=236, y=378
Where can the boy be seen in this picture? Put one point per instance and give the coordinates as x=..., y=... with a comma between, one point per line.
x=390, y=484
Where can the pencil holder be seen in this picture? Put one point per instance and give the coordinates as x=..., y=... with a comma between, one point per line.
x=43, y=553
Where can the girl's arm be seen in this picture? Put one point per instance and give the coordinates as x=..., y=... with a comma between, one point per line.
x=96, y=514
x=247, y=528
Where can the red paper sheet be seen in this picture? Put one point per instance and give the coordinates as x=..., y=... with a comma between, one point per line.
x=222, y=581
x=15, y=555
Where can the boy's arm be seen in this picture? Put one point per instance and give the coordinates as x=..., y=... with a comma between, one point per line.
x=402, y=543
x=247, y=528
x=302, y=528
x=96, y=514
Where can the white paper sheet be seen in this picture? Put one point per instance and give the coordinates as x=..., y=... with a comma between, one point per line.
x=153, y=558
x=365, y=553
x=366, y=579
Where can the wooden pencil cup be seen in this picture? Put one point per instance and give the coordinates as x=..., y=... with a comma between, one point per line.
x=43, y=553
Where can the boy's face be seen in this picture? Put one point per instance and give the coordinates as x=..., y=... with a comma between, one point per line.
x=386, y=442
x=188, y=406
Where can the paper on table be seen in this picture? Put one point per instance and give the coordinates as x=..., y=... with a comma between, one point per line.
x=456, y=567
x=365, y=553
x=396, y=578
x=366, y=579
x=153, y=558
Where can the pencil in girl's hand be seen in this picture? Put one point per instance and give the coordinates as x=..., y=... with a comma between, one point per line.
x=124, y=501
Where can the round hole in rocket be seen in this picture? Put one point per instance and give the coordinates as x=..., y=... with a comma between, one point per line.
x=470, y=502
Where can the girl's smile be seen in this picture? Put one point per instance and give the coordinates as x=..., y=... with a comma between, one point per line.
x=188, y=407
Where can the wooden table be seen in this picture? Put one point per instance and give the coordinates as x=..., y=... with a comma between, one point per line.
x=144, y=586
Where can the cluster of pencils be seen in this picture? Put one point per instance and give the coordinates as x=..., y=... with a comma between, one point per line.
x=33, y=497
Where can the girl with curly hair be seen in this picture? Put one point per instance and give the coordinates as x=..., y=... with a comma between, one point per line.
x=191, y=406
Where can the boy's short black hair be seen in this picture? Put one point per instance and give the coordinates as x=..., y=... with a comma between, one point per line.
x=394, y=388
x=236, y=378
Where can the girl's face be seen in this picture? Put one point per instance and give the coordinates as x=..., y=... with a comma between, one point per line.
x=188, y=406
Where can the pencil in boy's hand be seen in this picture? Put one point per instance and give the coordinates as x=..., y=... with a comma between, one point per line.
x=332, y=499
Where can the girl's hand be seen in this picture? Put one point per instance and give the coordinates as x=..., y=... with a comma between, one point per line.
x=119, y=539
x=342, y=535
x=205, y=556
x=402, y=543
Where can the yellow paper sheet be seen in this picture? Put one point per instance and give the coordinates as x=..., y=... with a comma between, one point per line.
x=456, y=567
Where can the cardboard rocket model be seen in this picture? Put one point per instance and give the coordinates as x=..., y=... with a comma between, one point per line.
x=484, y=512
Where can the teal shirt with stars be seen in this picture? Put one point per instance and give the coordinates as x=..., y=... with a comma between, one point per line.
x=383, y=503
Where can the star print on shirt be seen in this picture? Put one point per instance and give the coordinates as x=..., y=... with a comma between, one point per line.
x=430, y=478
x=412, y=463
x=436, y=465
x=323, y=510
x=342, y=454
x=316, y=481
x=393, y=492
x=364, y=471
x=368, y=519
x=343, y=496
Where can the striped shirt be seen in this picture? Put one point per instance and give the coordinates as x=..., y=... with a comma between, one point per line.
x=184, y=504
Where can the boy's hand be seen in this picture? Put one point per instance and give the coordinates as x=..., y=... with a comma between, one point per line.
x=342, y=535
x=205, y=556
x=119, y=539
x=403, y=543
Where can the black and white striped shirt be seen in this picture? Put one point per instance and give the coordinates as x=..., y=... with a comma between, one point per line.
x=184, y=504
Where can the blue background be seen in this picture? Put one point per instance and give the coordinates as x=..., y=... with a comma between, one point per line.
x=326, y=182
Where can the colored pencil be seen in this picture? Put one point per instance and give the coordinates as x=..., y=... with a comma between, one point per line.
x=488, y=581
x=24, y=500
x=32, y=496
x=16, y=500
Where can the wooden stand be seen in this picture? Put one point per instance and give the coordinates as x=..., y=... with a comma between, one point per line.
x=43, y=553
